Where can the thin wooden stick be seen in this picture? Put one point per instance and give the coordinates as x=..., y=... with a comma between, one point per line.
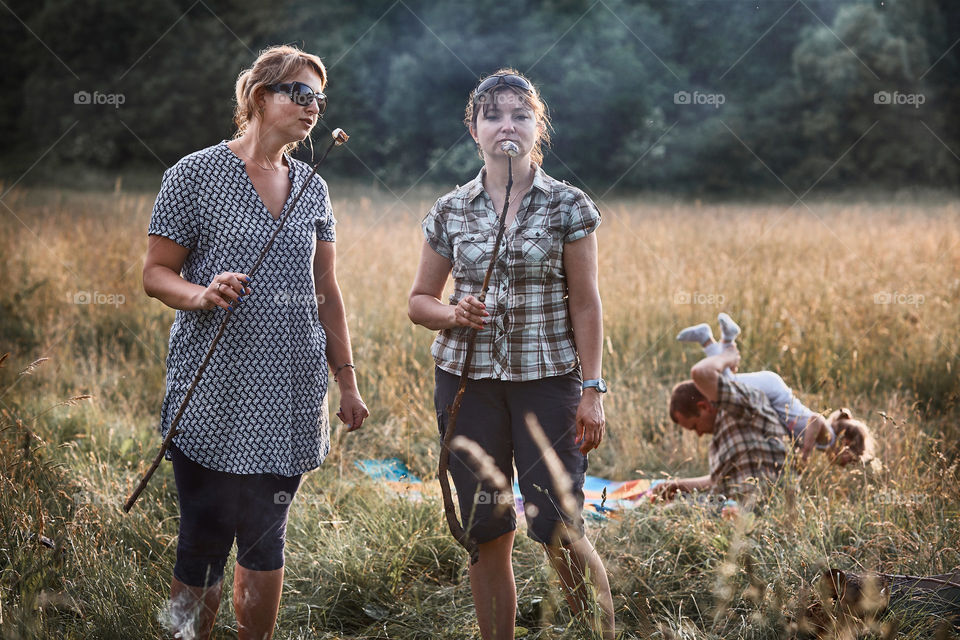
x=941, y=580
x=456, y=529
x=339, y=137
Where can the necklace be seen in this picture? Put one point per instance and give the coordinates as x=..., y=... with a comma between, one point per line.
x=515, y=197
x=250, y=157
x=519, y=197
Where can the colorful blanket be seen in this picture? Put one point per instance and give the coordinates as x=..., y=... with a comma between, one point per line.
x=602, y=497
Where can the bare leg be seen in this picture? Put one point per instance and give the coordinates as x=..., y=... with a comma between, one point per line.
x=494, y=589
x=575, y=564
x=205, y=600
x=256, y=601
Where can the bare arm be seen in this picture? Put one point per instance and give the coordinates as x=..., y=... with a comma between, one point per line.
x=586, y=316
x=700, y=483
x=424, y=306
x=162, y=279
x=706, y=373
x=811, y=435
x=333, y=317
x=670, y=488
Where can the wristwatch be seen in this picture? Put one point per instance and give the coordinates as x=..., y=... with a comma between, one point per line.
x=599, y=384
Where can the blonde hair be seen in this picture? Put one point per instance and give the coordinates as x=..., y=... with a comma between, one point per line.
x=274, y=64
x=532, y=99
x=852, y=434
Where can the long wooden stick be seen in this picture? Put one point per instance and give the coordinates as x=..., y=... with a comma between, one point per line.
x=339, y=137
x=456, y=529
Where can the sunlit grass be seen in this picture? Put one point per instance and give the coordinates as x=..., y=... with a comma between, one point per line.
x=853, y=304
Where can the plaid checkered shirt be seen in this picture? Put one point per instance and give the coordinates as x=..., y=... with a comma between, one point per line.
x=529, y=335
x=748, y=440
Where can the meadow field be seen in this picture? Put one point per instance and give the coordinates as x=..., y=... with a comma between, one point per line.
x=855, y=301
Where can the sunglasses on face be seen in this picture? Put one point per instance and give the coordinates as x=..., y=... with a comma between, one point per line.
x=495, y=81
x=301, y=94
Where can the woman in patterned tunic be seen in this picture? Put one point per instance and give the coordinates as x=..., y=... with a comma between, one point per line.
x=258, y=418
x=541, y=326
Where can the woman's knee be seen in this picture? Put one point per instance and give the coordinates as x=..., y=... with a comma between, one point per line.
x=201, y=560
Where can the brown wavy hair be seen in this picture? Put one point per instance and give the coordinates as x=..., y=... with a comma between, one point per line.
x=684, y=399
x=274, y=64
x=533, y=100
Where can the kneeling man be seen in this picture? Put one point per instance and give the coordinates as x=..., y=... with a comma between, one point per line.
x=748, y=445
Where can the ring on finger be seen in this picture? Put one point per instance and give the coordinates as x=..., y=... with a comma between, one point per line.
x=219, y=284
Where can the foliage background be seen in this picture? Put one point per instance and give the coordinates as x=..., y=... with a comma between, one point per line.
x=798, y=79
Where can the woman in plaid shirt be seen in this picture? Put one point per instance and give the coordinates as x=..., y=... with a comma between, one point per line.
x=538, y=349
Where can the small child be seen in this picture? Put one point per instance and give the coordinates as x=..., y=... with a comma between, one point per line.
x=808, y=428
x=854, y=440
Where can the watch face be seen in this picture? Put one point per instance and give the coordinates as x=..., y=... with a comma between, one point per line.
x=599, y=384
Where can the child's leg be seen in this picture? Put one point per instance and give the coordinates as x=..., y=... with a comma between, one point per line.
x=712, y=349
x=729, y=330
x=789, y=409
x=699, y=333
x=772, y=386
x=704, y=335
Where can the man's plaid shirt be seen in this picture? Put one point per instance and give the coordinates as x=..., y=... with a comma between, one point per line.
x=529, y=335
x=748, y=440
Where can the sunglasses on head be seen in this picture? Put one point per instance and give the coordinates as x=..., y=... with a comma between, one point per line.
x=508, y=79
x=301, y=94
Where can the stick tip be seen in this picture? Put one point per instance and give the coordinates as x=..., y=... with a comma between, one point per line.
x=339, y=135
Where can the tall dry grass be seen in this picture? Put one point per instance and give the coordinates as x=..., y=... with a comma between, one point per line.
x=854, y=304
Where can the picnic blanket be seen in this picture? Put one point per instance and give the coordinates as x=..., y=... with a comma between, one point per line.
x=602, y=497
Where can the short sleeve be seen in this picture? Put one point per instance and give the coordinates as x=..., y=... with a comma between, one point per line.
x=435, y=231
x=326, y=224
x=176, y=211
x=582, y=218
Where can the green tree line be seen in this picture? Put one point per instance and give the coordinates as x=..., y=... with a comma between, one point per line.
x=713, y=96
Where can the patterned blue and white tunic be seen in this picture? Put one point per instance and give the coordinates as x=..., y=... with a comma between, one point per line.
x=260, y=406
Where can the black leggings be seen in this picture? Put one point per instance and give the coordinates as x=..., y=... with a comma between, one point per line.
x=218, y=507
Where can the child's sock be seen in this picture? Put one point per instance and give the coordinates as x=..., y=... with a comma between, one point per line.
x=712, y=349
x=728, y=328
x=698, y=333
